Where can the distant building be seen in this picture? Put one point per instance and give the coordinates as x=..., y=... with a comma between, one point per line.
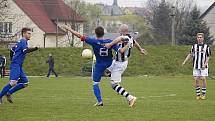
x=140, y=11
x=42, y=16
x=111, y=10
x=209, y=17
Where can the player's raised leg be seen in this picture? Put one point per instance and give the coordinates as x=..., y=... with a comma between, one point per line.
x=22, y=83
x=6, y=89
x=120, y=90
x=116, y=75
x=14, y=76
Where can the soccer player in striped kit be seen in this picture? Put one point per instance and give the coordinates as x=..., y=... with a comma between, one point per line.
x=200, y=52
x=120, y=62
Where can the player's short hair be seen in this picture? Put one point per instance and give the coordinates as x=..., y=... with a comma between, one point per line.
x=25, y=29
x=200, y=34
x=99, y=31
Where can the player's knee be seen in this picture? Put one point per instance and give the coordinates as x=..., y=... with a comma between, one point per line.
x=203, y=78
x=197, y=85
x=13, y=83
x=197, y=78
x=95, y=83
x=113, y=84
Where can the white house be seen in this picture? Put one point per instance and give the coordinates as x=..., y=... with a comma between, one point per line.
x=209, y=17
x=43, y=17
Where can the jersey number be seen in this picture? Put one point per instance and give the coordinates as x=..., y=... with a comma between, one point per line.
x=103, y=52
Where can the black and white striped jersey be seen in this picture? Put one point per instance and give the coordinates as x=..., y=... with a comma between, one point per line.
x=199, y=53
x=124, y=56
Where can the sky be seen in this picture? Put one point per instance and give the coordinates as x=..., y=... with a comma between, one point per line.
x=203, y=4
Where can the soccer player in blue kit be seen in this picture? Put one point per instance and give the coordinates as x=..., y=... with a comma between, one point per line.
x=18, y=78
x=103, y=55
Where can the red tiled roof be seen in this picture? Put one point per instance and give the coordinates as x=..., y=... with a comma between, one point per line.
x=58, y=9
x=44, y=12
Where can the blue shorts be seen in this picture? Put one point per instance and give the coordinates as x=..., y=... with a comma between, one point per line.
x=16, y=73
x=98, y=71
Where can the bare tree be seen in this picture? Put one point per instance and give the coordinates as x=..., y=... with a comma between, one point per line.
x=91, y=14
x=75, y=9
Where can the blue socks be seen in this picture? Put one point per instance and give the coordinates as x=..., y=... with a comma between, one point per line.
x=16, y=88
x=5, y=90
x=97, y=92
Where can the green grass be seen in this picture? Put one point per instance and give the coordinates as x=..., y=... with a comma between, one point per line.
x=160, y=98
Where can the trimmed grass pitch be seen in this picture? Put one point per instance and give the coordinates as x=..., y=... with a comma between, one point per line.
x=71, y=99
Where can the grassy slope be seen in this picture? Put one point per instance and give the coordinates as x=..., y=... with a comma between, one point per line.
x=71, y=99
x=162, y=60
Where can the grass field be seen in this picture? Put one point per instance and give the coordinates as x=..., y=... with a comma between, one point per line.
x=71, y=99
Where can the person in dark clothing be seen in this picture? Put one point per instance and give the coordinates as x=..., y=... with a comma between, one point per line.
x=2, y=65
x=50, y=61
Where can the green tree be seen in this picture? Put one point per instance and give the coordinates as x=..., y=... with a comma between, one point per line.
x=193, y=26
x=161, y=22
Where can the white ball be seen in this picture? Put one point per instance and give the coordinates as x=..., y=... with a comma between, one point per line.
x=87, y=53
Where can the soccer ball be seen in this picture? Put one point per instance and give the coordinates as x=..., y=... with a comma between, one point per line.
x=87, y=53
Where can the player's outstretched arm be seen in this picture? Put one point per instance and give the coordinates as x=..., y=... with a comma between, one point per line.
x=115, y=41
x=77, y=34
x=186, y=59
x=128, y=45
x=142, y=50
x=29, y=50
x=122, y=50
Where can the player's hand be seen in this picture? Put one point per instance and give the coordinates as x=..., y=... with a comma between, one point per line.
x=65, y=27
x=143, y=51
x=108, y=45
x=204, y=66
x=183, y=64
x=36, y=48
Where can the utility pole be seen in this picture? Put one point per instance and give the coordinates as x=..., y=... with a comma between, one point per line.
x=97, y=21
x=57, y=34
x=173, y=25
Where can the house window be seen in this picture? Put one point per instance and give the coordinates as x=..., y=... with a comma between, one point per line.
x=1, y=27
x=5, y=27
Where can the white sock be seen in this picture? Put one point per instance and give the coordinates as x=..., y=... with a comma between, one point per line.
x=130, y=97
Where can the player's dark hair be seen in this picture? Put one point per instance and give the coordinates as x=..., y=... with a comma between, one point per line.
x=99, y=31
x=25, y=29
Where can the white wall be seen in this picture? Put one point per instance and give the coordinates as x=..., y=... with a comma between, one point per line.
x=210, y=20
x=19, y=20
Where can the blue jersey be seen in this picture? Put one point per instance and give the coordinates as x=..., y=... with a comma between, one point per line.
x=19, y=52
x=102, y=54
